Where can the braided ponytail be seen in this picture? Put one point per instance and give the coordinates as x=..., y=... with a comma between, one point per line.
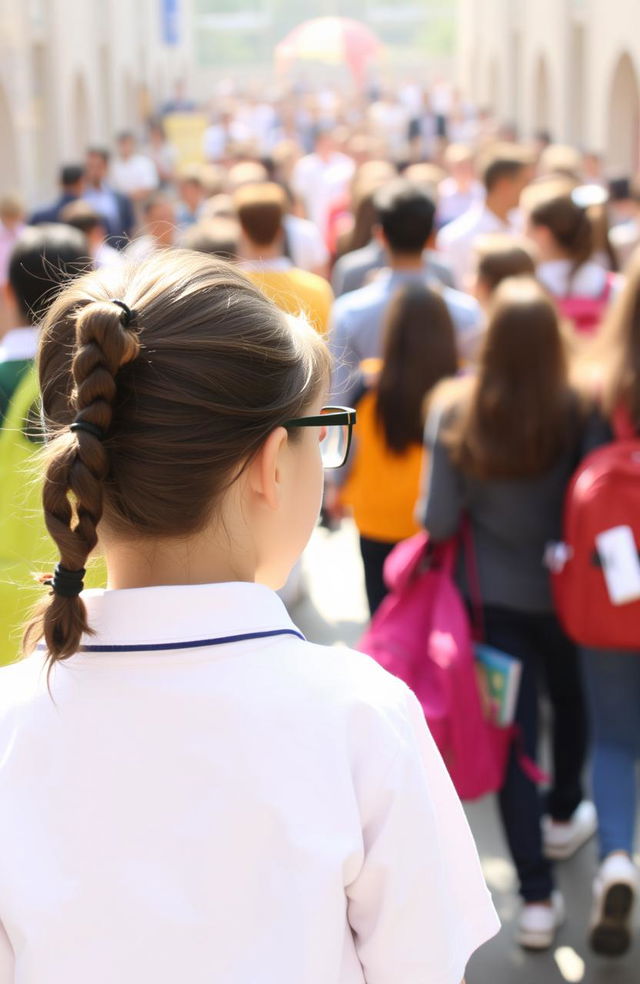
x=78, y=464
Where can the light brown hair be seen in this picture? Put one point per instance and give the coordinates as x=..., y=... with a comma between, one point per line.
x=419, y=350
x=570, y=226
x=500, y=257
x=260, y=209
x=517, y=415
x=185, y=396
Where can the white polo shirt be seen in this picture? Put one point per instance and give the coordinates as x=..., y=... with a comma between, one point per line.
x=258, y=810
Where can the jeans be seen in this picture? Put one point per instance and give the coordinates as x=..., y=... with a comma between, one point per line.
x=374, y=553
x=612, y=682
x=545, y=652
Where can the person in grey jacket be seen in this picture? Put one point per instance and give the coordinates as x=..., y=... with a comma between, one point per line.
x=503, y=445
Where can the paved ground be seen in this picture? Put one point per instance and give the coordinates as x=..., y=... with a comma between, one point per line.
x=334, y=612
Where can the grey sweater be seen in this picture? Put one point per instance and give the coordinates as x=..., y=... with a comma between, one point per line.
x=512, y=522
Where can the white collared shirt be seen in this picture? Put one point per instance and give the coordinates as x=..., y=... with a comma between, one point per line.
x=19, y=344
x=457, y=240
x=256, y=811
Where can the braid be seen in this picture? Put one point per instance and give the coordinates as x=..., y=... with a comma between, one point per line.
x=79, y=464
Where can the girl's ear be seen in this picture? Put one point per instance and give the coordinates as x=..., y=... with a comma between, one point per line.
x=266, y=469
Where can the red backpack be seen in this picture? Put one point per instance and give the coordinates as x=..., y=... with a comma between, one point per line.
x=587, y=313
x=604, y=493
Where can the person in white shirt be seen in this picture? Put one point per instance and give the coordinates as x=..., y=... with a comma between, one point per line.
x=504, y=177
x=321, y=178
x=460, y=190
x=132, y=174
x=198, y=791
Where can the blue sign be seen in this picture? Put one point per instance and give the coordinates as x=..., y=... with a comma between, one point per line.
x=170, y=21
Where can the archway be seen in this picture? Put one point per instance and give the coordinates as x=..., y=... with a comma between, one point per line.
x=80, y=119
x=542, y=96
x=9, y=171
x=623, y=144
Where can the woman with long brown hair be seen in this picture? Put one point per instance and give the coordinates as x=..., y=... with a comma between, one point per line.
x=613, y=676
x=504, y=444
x=419, y=350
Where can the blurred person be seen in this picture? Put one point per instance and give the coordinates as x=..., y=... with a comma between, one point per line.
x=179, y=102
x=504, y=175
x=383, y=481
x=81, y=216
x=388, y=120
x=162, y=152
x=460, y=190
x=218, y=236
x=613, y=677
x=218, y=207
x=132, y=173
x=497, y=258
x=624, y=217
x=563, y=235
x=115, y=208
x=593, y=168
x=41, y=257
x=560, y=160
x=346, y=229
x=72, y=187
x=322, y=177
x=192, y=196
x=261, y=210
x=316, y=794
x=223, y=134
x=214, y=179
x=158, y=229
x=12, y=222
x=406, y=215
x=503, y=445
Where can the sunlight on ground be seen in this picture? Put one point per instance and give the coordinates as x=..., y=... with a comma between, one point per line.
x=570, y=964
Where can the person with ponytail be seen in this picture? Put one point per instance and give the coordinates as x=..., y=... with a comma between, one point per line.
x=186, y=782
x=563, y=232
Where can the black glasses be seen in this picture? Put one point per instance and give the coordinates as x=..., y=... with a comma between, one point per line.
x=338, y=422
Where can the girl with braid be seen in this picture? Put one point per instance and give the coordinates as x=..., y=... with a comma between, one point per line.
x=188, y=787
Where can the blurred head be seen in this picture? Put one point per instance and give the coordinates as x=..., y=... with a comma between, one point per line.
x=458, y=161
x=559, y=227
x=261, y=209
x=218, y=237
x=560, y=160
x=427, y=176
x=72, y=179
x=244, y=173
x=12, y=210
x=505, y=173
x=96, y=166
x=192, y=397
x=517, y=419
x=160, y=219
x=191, y=188
x=406, y=215
x=44, y=258
x=419, y=350
x=500, y=257
x=80, y=215
x=126, y=144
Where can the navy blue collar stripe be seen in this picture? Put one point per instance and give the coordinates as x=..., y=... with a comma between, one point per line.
x=154, y=647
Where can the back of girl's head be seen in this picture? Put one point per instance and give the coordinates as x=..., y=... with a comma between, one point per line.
x=43, y=258
x=568, y=223
x=419, y=350
x=516, y=421
x=184, y=394
x=500, y=257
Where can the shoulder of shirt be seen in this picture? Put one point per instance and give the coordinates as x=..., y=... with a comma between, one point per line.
x=456, y=298
x=20, y=683
x=459, y=227
x=359, y=300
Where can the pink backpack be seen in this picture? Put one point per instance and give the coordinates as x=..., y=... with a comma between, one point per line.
x=587, y=313
x=421, y=633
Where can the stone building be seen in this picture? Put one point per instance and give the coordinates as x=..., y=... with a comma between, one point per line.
x=76, y=71
x=568, y=66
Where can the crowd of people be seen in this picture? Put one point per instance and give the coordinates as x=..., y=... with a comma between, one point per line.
x=479, y=295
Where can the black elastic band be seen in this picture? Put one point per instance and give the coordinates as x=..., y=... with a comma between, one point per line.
x=66, y=583
x=128, y=316
x=86, y=425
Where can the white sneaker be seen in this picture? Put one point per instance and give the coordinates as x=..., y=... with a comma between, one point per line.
x=614, y=891
x=538, y=923
x=562, y=840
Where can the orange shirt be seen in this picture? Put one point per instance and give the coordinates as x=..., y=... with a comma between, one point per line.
x=296, y=291
x=383, y=486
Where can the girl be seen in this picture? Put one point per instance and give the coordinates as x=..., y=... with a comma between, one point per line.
x=504, y=444
x=613, y=678
x=203, y=795
x=419, y=349
x=565, y=241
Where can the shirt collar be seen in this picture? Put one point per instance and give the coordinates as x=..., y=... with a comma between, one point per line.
x=19, y=344
x=166, y=616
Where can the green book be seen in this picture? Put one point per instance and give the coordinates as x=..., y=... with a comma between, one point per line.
x=501, y=675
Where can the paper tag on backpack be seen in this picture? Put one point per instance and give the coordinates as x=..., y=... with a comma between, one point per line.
x=620, y=564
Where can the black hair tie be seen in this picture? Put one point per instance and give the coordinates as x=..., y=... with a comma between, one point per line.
x=128, y=316
x=66, y=583
x=86, y=425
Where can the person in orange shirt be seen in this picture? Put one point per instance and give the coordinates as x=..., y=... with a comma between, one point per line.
x=261, y=209
x=383, y=485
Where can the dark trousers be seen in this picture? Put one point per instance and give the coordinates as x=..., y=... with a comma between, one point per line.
x=374, y=553
x=548, y=657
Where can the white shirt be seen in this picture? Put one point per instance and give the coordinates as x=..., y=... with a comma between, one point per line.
x=589, y=281
x=19, y=344
x=307, y=247
x=137, y=173
x=264, y=811
x=456, y=241
x=320, y=183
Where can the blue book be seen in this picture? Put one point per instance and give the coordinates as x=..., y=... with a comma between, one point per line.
x=500, y=680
